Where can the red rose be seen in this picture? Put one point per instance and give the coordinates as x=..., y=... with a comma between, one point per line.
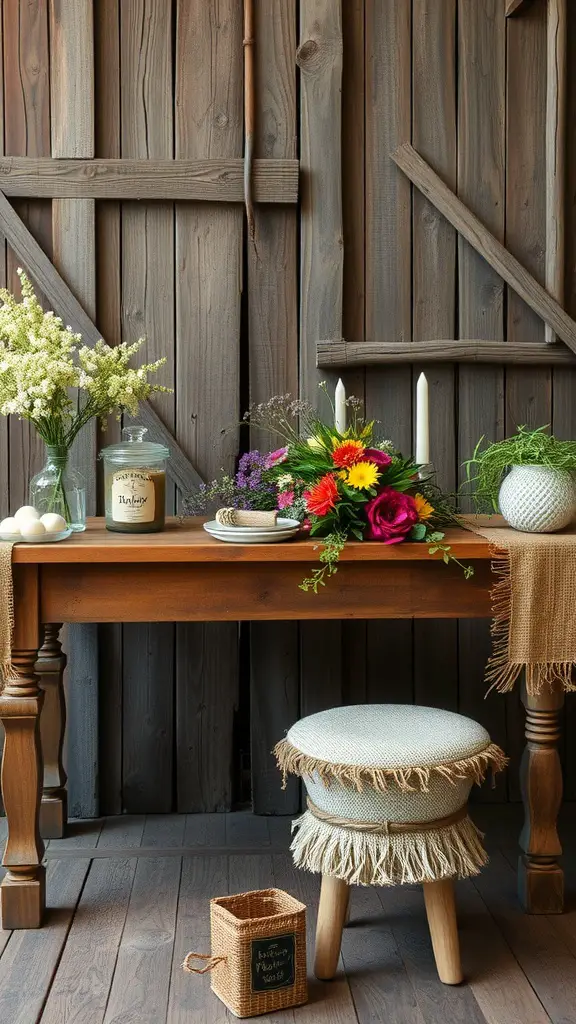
x=391, y=515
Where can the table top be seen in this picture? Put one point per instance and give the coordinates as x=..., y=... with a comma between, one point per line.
x=190, y=543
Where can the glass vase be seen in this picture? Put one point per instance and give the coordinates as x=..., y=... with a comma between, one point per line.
x=58, y=487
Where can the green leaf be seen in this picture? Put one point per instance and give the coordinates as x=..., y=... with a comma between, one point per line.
x=433, y=549
x=418, y=532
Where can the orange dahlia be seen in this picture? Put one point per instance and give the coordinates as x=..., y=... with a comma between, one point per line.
x=322, y=496
x=346, y=453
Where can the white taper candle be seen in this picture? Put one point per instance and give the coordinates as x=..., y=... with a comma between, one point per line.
x=422, y=422
x=340, y=408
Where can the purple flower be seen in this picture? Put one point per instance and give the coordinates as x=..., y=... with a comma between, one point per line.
x=250, y=466
x=254, y=479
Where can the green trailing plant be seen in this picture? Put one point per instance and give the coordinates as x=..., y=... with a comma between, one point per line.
x=333, y=547
x=488, y=465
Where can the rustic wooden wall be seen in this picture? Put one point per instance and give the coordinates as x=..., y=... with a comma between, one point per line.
x=182, y=708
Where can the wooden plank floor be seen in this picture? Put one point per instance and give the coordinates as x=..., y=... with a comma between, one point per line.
x=128, y=898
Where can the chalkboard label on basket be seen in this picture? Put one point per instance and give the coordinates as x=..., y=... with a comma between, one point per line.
x=273, y=963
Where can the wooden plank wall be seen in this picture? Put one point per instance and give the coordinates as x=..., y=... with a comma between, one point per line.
x=181, y=708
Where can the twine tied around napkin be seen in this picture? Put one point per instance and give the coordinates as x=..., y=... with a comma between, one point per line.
x=534, y=606
x=7, y=673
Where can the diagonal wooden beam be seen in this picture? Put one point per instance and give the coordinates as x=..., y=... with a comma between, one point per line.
x=483, y=241
x=65, y=303
x=513, y=6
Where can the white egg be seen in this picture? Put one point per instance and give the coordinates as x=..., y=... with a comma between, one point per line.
x=9, y=525
x=53, y=523
x=31, y=529
x=25, y=513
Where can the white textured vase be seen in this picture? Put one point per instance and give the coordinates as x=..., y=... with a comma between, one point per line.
x=537, y=499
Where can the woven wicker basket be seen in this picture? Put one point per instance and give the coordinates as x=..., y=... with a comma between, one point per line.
x=258, y=960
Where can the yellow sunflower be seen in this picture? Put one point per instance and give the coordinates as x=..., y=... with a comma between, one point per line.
x=423, y=507
x=363, y=475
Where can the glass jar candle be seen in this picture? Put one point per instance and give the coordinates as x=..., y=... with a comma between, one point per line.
x=135, y=483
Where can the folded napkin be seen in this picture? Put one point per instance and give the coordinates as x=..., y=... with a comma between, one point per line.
x=534, y=605
x=244, y=517
x=6, y=614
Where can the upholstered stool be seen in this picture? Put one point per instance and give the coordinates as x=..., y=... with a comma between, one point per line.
x=387, y=788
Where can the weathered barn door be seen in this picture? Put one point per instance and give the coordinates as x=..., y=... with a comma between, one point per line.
x=366, y=257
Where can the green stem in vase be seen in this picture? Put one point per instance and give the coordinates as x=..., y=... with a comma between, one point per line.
x=59, y=457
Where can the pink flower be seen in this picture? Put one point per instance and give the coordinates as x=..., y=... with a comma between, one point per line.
x=381, y=459
x=275, y=458
x=391, y=515
x=285, y=499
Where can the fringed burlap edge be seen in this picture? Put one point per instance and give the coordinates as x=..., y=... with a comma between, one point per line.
x=362, y=858
x=501, y=673
x=292, y=761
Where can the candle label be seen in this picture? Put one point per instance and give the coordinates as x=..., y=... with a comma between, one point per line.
x=273, y=963
x=133, y=497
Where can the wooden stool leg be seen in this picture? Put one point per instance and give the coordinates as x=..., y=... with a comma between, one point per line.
x=441, y=913
x=331, y=915
x=348, y=908
x=50, y=669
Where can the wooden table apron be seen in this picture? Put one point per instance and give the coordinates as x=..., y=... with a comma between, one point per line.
x=183, y=575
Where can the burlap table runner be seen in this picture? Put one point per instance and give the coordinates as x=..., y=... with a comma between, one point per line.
x=6, y=613
x=534, y=605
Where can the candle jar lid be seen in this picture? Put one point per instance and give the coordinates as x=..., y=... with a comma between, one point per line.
x=133, y=450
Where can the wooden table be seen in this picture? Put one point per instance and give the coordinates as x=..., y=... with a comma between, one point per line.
x=182, y=575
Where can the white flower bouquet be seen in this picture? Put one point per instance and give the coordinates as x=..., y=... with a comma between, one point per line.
x=49, y=378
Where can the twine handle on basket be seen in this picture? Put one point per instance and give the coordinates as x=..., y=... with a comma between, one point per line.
x=211, y=962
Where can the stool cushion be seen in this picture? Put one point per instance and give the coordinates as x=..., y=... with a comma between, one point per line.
x=375, y=744
x=441, y=798
x=387, y=787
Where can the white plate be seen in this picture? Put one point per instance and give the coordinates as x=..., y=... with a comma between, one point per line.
x=241, y=531
x=233, y=537
x=281, y=524
x=47, y=538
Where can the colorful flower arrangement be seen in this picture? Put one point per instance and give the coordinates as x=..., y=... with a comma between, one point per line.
x=340, y=485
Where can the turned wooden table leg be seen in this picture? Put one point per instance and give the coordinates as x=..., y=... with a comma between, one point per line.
x=540, y=877
x=50, y=668
x=22, y=893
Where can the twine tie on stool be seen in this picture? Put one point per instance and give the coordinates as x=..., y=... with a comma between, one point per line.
x=387, y=852
x=211, y=962
x=386, y=828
